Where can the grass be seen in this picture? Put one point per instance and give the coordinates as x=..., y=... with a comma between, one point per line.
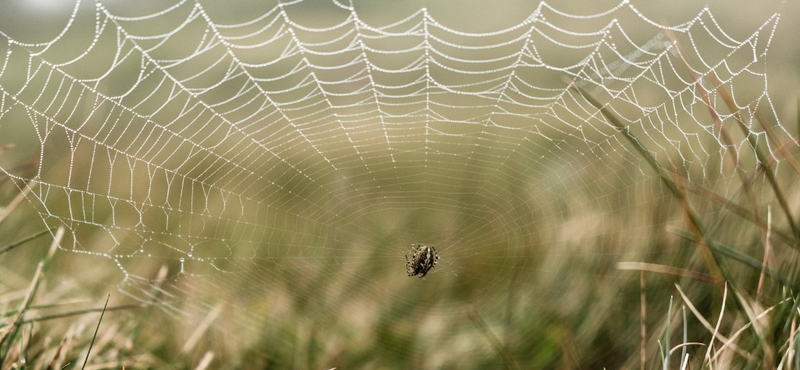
x=672, y=311
x=764, y=353
x=682, y=298
x=638, y=269
x=714, y=253
x=28, y=340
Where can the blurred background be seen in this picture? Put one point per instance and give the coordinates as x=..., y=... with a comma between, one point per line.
x=601, y=181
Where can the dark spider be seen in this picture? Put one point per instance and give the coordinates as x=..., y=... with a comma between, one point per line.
x=422, y=260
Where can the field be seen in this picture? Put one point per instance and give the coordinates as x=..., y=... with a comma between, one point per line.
x=204, y=185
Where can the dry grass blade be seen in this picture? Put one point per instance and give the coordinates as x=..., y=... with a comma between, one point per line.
x=80, y=312
x=57, y=355
x=683, y=346
x=713, y=330
x=783, y=150
x=694, y=221
x=17, y=200
x=205, y=361
x=751, y=309
x=201, y=329
x=668, y=270
x=10, y=331
x=782, y=147
x=739, y=332
x=719, y=320
x=765, y=261
x=7, y=147
x=508, y=362
x=26, y=301
x=768, y=171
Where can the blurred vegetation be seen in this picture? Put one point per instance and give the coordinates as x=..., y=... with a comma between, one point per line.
x=617, y=261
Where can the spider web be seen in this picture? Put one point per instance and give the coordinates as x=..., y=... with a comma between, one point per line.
x=306, y=146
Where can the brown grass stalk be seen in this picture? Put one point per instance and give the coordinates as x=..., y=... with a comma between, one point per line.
x=694, y=221
x=766, y=168
x=666, y=270
x=17, y=200
x=714, y=330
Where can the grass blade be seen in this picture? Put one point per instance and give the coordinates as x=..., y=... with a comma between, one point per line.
x=642, y=322
x=743, y=258
x=672, y=186
x=11, y=331
x=666, y=270
x=96, y=329
x=508, y=362
x=763, y=163
x=18, y=243
x=17, y=200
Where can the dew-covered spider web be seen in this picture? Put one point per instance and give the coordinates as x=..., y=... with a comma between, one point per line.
x=279, y=160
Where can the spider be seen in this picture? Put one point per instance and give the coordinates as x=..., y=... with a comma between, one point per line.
x=422, y=260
